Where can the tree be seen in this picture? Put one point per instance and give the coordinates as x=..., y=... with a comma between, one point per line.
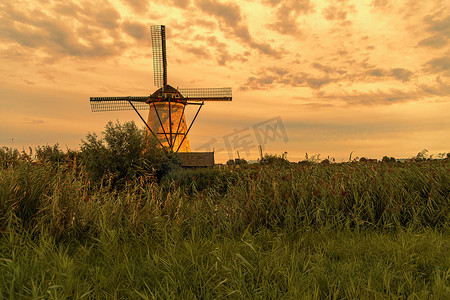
x=125, y=151
x=422, y=155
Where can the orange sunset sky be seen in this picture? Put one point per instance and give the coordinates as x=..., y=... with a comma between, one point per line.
x=322, y=77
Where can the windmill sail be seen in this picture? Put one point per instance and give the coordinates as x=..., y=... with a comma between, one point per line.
x=206, y=94
x=158, y=33
x=118, y=103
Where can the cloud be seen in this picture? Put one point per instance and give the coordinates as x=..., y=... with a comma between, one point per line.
x=440, y=30
x=33, y=121
x=202, y=23
x=435, y=41
x=327, y=69
x=276, y=77
x=199, y=52
x=185, y=27
x=223, y=57
x=265, y=49
x=271, y=2
x=287, y=14
x=316, y=105
x=279, y=71
x=135, y=29
x=317, y=82
x=261, y=82
x=47, y=74
x=338, y=11
x=439, y=25
x=380, y=3
x=221, y=53
x=181, y=3
x=397, y=73
x=84, y=31
x=104, y=14
x=142, y=7
x=138, y=6
x=66, y=8
x=440, y=64
x=101, y=14
x=272, y=77
x=376, y=72
x=13, y=52
x=401, y=74
x=229, y=13
x=370, y=98
x=323, y=74
x=230, y=19
x=213, y=48
x=441, y=88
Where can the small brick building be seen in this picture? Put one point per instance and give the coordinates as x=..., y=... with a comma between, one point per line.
x=196, y=159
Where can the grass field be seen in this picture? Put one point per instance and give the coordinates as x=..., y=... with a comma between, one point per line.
x=277, y=231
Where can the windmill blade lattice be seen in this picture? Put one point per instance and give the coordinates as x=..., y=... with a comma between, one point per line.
x=118, y=103
x=206, y=94
x=158, y=34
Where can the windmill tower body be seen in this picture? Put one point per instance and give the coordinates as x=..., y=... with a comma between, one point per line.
x=166, y=119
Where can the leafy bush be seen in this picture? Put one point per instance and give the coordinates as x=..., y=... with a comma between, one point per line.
x=124, y=152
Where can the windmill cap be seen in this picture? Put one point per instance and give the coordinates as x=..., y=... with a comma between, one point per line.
x=168, y=89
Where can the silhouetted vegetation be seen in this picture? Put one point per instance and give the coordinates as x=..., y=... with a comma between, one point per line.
x=273, y=159
x=388, y=159
x=125, y=152
x=236, y=162
x=276, y=230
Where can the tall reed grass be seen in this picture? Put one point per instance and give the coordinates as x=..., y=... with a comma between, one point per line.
x=350, y=230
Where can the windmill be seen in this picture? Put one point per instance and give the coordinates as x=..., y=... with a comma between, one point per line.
x=166, y=119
